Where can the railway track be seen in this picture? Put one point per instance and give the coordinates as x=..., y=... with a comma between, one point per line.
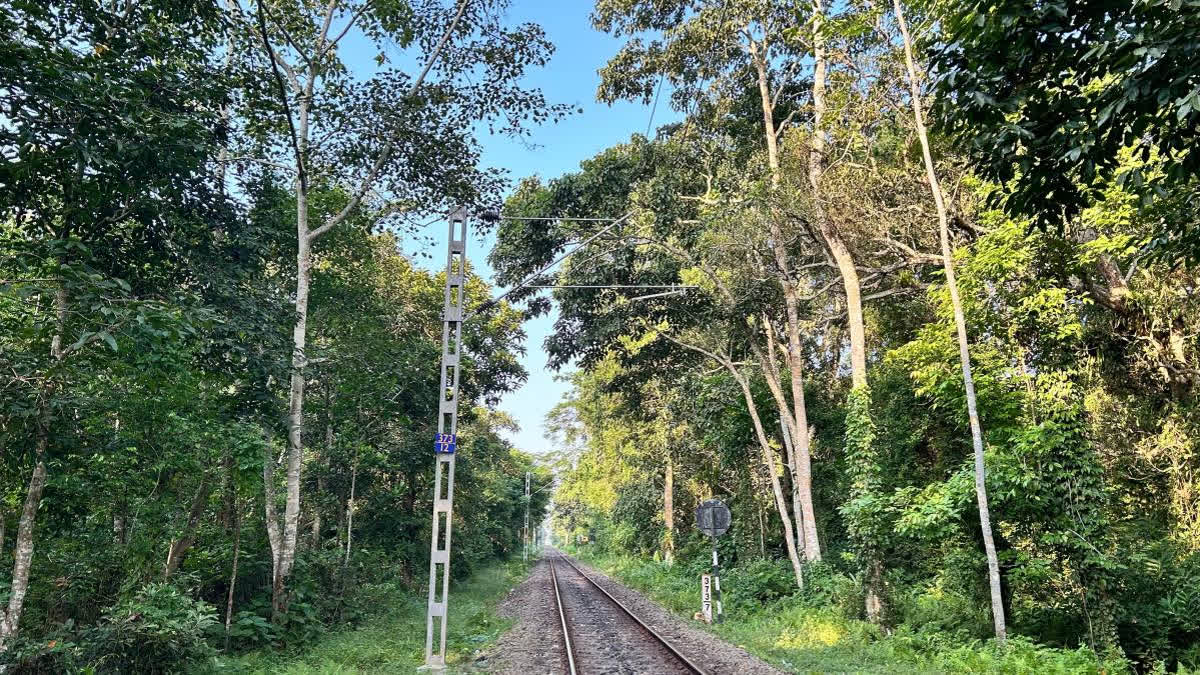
x=601, y=635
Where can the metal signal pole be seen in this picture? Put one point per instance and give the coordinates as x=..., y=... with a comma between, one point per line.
x=446, y=440
x=525, y=554
x=445, y=443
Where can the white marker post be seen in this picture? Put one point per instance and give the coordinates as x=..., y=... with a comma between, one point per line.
x=706, y=606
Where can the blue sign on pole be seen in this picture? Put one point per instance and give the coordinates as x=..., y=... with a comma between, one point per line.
x=444, y=443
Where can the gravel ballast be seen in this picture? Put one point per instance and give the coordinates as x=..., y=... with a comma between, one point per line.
x=534, y=644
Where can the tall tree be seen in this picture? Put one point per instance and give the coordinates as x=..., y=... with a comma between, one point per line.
x=722, y=47
x=669, y=244
x=960, y=325
x=396, y=142
x=107, y=113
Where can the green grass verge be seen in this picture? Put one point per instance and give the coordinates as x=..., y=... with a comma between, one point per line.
x=394, y=640
x=805, y=639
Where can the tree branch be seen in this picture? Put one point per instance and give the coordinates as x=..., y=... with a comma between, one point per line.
x=386, y=153
x=354, y=18
x=301, y=174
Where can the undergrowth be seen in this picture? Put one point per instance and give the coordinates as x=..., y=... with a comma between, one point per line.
x=801, y=635
x=393, y=641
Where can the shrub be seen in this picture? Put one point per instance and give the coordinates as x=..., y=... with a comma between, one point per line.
x=758, y=582
x=152, y=632
x=1158, y=607
x=939, y=607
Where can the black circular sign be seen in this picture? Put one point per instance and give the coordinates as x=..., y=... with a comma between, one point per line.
x=712, y=517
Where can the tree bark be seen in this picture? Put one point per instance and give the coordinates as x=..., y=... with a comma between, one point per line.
x=669, y=508
x=178, y=548
x=798, y=413
x=350, y=510
x=10, y=618
x=960, y=324
x=791, y=420
x=271, y=514
x=286, y=556
x=762, y=544
x=237, y=548
x=829, y=231
x=797, y=506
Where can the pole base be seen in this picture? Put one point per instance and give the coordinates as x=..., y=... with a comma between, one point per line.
x=432, y=668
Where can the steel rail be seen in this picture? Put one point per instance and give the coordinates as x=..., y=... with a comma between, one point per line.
x=653, y=633
x=562, y=618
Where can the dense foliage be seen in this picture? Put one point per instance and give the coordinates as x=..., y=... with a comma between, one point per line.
x=147, y=295
x=1082, y=344
x=916, y=296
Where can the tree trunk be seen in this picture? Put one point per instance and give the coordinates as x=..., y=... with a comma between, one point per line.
x=178, y=548
x=341, y=523
x=669, y=509
x=769, y=461
x=237, y=548
x=768, y=456
x=350, y=510
x=799, y=414
x=795, y=420
x=285, y=555
x=960, y=324
x=874, y=587
x=797, y=506
x=828, y=230
x=10, y=618
x=271, y=512
x=283, y=547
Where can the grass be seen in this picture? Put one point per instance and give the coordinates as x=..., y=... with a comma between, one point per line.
x=394, y=640
x=801, y=638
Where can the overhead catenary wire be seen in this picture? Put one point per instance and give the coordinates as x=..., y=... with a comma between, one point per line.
x=654, y=107
x=564, y=256
x=678, y=291
x=677, y=286
x=579, y=220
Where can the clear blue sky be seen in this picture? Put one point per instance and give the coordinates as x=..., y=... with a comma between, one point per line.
x=550, y=151
x=570, y=77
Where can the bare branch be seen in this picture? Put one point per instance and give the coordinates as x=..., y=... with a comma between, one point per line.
x=911, y=252
x=350, y=24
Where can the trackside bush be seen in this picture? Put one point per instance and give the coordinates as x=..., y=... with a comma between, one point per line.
x=157, y=629
x=758, y=582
